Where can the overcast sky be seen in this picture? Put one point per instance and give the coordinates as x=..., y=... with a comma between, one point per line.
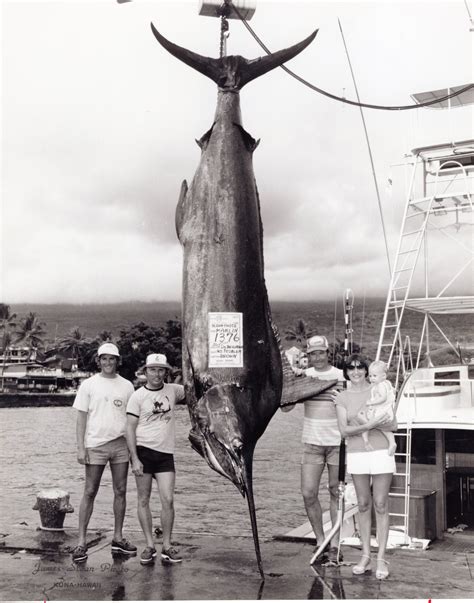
x=99, y=123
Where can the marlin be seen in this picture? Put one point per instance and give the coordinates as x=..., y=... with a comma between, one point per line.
x=220, y=229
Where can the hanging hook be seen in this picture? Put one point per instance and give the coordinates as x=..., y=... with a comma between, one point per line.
x=224, y=36
x=224, y=12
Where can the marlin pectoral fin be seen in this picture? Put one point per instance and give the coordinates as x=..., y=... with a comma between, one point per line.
x=298, y=389
x=180, y=207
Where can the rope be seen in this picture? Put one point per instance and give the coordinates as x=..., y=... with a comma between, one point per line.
x=345, y=100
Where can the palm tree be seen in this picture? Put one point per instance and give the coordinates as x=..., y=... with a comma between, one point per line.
x=337, y=353
x=30, y=332
x=7, y=323
x=5, y=316
x=104, y=337
x=5, y=342
x=76, y=346
x=299, y=332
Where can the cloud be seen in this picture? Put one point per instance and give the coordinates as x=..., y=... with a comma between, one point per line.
x=99, y=129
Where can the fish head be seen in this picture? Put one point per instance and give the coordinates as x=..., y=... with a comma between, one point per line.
x=222, y=427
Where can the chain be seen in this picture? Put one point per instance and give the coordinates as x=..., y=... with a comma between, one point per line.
x=224, y=36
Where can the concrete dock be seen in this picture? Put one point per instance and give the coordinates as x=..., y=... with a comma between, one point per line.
x=36, y=566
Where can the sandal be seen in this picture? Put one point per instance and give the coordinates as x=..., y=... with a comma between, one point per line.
x=362, y=566
x=382, y=574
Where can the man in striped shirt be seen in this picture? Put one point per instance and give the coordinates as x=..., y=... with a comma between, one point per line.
x=321, y=440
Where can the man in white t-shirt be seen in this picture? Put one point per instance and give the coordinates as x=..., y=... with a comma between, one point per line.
x=101, y=403
x=151, y=438
x=321, y=440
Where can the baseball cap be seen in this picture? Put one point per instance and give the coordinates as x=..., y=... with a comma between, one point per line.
x=318, y=342
x=108, y=348
x=158, y=360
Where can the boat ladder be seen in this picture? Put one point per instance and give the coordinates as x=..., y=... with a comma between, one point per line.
x=403, y=472
x=410, y=243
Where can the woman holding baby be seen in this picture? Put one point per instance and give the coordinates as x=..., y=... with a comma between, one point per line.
x=368, y=459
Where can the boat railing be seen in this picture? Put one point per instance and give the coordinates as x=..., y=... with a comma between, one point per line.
x=425, y=392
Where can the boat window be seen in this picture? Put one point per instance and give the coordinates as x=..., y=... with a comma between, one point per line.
x=423, y=446
x=447, y=378
x=470, y=371
x=459, y=440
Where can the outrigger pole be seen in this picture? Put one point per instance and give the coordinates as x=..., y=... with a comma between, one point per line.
x=341, y=488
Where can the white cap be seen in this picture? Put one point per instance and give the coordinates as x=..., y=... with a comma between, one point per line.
x=108, y=348
x=318, y=342
x=158, y=360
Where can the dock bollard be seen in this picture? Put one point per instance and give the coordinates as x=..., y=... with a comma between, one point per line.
x=52, y=504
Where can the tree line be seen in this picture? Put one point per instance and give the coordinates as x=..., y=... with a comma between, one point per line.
x=134, y=342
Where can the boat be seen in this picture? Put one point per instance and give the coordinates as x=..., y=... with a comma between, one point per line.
x=432, y=494
x=435, y=403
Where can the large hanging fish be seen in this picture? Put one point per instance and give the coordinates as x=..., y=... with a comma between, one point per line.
x=219, y=226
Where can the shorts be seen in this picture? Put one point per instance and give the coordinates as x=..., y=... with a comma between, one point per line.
x=373, y=462
x=320, y=455
x=154, y=461
x=115, y=452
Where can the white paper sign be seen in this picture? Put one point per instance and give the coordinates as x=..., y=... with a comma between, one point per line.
x=226, y=343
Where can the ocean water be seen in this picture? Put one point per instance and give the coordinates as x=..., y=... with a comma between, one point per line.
x=38, y=451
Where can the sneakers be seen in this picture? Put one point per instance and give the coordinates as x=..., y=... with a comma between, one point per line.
x=79, y=554
x=333, y=557
x=148, y=555
x=170, y=555
x=124, y=547
x=323, y=556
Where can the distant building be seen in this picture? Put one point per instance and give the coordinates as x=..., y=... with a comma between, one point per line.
x=15, y=353
x=22, y=371
x=296, y=357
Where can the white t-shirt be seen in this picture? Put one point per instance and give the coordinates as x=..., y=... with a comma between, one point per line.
x=105, y=401
x=156, y=422
x=320, y=426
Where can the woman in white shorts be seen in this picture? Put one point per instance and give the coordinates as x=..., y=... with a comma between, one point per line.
x=367, y=467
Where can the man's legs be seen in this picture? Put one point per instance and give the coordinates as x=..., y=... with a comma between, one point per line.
x=310, y=480
x=144, y=483
x=119, y=481
x=166, y=489
x=333, y=475
x=91, y=487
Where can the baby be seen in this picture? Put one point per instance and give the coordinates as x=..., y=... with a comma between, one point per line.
x=382, y=400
